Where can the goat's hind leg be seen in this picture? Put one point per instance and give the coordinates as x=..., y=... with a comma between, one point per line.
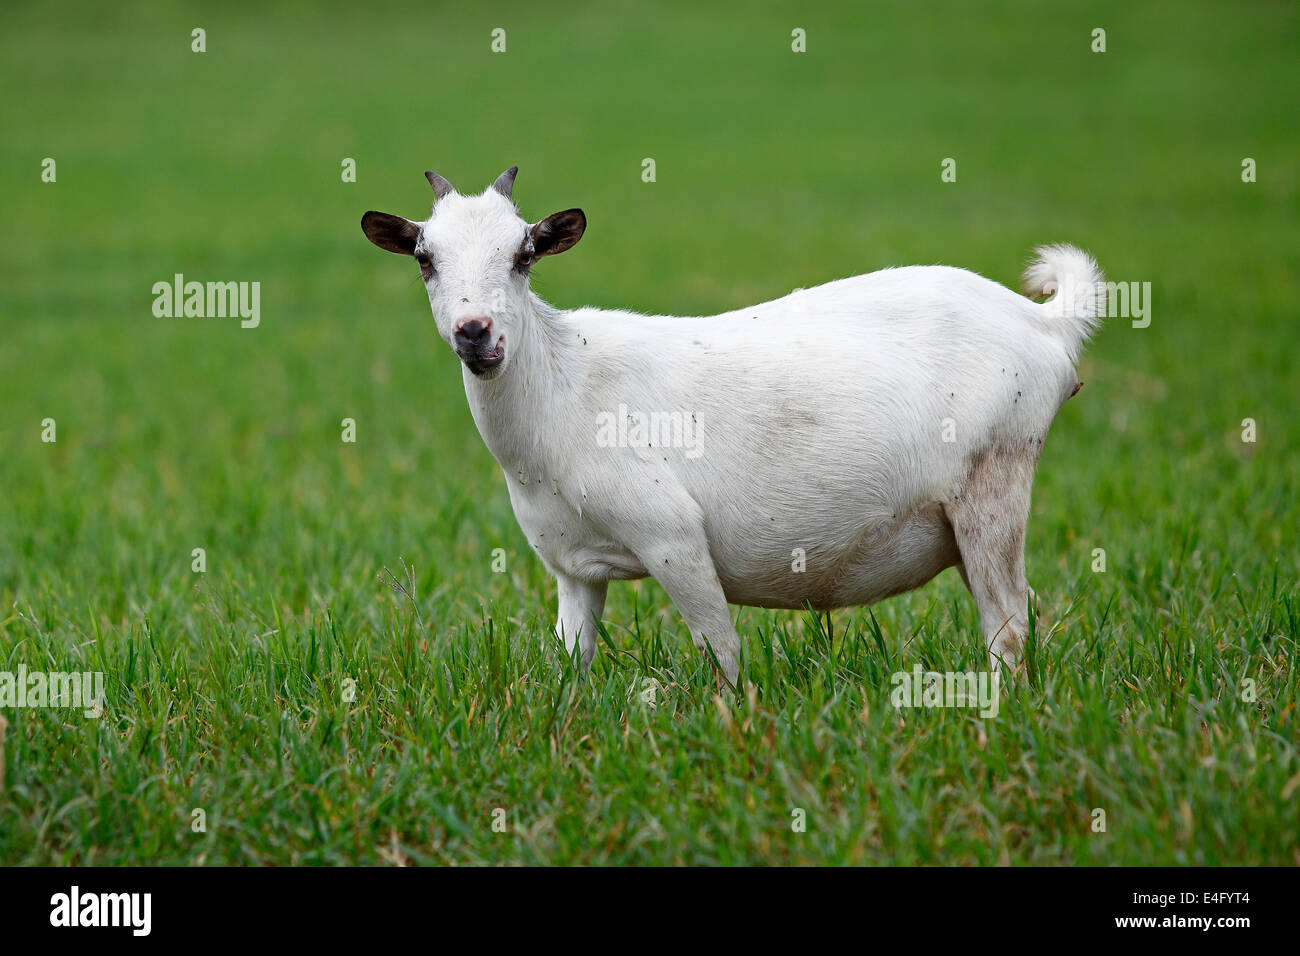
x=989, y=513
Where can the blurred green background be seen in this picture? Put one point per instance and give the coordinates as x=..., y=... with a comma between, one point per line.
x=774, y=170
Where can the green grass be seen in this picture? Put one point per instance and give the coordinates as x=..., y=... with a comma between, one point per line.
x=226, y=690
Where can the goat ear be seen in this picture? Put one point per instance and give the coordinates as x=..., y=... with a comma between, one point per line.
x=558, y=232
x=391, y=232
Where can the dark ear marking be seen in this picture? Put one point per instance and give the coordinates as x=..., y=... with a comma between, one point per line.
x=558, y=232
x=391, y=232
x=440, y=186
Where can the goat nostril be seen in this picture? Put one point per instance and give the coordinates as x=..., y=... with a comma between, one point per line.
x=474, y=332
x=464, y=300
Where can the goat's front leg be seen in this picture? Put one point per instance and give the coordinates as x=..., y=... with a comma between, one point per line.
x=684, y=566
x=581, y=604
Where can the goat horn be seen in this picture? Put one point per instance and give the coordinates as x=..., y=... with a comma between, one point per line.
x=440, y=186
x=506, y=181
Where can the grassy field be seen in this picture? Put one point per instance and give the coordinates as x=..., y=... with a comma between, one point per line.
x=317, y=716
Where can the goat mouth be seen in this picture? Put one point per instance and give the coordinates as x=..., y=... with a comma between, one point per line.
x=480, y=363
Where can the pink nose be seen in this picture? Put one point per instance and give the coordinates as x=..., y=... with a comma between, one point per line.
x=485, y=321
x=473, y=333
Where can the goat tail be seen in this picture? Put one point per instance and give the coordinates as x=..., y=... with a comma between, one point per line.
x=1077, y=288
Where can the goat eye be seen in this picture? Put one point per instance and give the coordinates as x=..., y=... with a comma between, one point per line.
x=424, y=262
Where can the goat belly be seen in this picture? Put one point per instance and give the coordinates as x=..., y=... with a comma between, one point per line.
x=862, y=564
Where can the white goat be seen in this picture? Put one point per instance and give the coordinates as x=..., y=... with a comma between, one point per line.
x=830, y=448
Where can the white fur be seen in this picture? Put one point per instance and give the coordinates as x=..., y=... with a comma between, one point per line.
x=820, y=417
